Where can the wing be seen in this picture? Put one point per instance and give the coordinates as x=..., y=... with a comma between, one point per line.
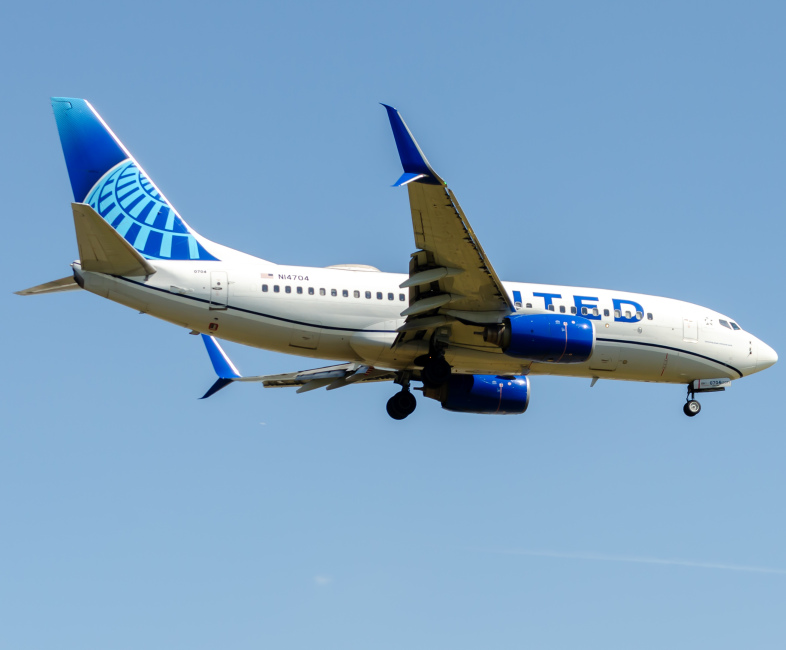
x=450, y=277
x=331, y=377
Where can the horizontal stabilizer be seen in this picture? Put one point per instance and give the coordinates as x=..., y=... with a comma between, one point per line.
x=55, y=286
x=102, y=249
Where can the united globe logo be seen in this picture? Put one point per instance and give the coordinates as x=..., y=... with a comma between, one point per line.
x=129, y=202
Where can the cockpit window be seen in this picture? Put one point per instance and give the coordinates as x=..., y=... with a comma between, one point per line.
x=735, y=326
x=724, y=323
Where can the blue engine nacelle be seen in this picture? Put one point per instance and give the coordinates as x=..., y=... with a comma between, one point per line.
x=482, y=394
x=550, y=338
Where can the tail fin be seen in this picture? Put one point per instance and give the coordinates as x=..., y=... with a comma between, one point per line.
x=105, y=175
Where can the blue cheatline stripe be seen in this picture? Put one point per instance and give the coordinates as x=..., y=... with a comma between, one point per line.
x=353, y=329
x=255, y=313
x=668, y=347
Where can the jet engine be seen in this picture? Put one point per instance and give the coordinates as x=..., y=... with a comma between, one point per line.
x=482, y=394
x=550, y=338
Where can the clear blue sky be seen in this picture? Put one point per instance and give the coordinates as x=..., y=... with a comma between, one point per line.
x=637, y=146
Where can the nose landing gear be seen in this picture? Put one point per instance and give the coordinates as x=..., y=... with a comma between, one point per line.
x=691, y=408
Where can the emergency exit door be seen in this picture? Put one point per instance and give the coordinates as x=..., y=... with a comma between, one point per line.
x=219, y=289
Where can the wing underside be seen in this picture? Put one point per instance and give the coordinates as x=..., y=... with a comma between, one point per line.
x=451, y=280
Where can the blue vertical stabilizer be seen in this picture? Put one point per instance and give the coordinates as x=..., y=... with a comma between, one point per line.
x=104, y=175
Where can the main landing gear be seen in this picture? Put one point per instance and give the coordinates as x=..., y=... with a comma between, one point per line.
x=401, y=404
x=436, y=372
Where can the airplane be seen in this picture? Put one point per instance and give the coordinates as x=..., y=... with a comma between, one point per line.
x=471, y=340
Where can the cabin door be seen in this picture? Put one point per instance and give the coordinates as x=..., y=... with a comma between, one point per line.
x=219, y=290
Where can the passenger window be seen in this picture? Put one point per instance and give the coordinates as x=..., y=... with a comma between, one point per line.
x=639, y=315
x=379, y=295
x=333, y=293
x=529, y=305
x=321, y=292
x=368, y=295
x=595, y=311
x=584, y=311
x=264, y=288
x=735, y=326
x=649, y=315
x=287, y=289
x=391, y=296
x=627, y=314
x=276, y=288
x=617, y=313
x=517, y=305
x=311, y=291
x=345, y=293
x=605, y=312
x=573, y=310
x=551, y=307
x=356, y=294
x=724, y=323
x=402, y=297
x=300, y=289
x=562, y=309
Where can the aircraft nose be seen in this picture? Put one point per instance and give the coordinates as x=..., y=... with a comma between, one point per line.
x=767, y=356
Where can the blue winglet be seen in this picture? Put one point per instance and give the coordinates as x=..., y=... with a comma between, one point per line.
x=224, y=368
x=413, y=160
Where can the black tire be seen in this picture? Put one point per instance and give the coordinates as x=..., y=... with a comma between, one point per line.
x=406, y=402
x=435, y=373
x=393, y=411
x=691, y=408
x=401, y=405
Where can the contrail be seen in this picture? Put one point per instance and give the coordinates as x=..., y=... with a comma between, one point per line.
x=639, y=560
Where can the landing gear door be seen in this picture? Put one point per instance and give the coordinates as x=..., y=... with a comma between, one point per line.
x=690, y=330
x=219, y=288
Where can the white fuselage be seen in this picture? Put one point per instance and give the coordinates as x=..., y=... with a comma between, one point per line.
x=352, y=315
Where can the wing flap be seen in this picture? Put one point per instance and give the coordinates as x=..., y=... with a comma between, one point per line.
x=333, y=377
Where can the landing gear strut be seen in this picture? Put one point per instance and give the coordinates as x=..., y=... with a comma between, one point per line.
x=402, y=403
x=692, y=407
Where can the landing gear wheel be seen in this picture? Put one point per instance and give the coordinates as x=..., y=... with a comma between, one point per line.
x=435, y=373
x=691, y=408
x=401, y=405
